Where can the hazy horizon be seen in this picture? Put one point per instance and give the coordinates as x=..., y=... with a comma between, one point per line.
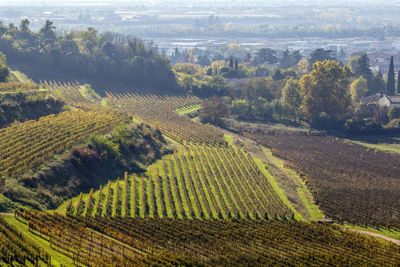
x=198, y=2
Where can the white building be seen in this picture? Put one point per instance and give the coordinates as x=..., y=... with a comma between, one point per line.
x=389, y=101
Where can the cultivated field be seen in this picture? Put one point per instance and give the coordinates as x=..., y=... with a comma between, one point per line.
x=24, y=146
x=158, y=111
x=350, y=182
x=131, y=241
x=198, y=182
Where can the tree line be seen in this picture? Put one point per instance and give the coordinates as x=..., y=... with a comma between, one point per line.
x=319, y=91
x=86, y=55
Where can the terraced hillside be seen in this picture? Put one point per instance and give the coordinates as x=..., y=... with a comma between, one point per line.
x=158, y=111
x=136, y=241
x=24, y=146
x=197, y=182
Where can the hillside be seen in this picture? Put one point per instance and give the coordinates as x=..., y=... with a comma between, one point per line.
x=105, y=161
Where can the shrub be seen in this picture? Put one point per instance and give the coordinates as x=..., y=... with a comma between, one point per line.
x=394, y=113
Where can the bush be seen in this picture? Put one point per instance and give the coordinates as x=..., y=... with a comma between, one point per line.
x=393, y=124
x=107, y=148
x=394, y=113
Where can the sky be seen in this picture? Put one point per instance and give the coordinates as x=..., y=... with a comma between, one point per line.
x=201, y=2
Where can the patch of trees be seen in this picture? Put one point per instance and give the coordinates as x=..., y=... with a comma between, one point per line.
x=27, y=106
x=325, y=96
x=86, y=55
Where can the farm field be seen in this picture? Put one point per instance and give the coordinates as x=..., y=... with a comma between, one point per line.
x=24, y=146
x=349, y=182
x=196, y=182
x=209, y=203
x=158, y=111
x=137, y=241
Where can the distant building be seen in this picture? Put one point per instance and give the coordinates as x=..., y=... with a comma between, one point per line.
x=382, y=100
x=389, y=101
x=372, y=99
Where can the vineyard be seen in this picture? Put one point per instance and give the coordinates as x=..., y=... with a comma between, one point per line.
x=15, y=248
x=200, y=182
x=158, y=111
x=24, y=146
x=350, y=182
x=68, y=92
x=18, y=86
x=204, y=202
x=137, y=241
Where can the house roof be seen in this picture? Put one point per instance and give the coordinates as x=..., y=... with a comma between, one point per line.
x=394, y=98
x=370, y=99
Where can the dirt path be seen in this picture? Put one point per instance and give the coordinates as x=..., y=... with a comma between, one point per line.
x=395, y=241
x=1, y=213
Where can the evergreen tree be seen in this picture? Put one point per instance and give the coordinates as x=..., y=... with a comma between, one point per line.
x=236, y=66
x=231, y=63
x=364, y=70
x=391, y=83
x=320, y=54
x=265, y=55
x=285, y=61
x=398, y=82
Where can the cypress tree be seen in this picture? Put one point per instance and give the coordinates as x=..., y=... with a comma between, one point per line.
x=391, y=83
x=236, y=66
x=231, y=63
x=398, y=82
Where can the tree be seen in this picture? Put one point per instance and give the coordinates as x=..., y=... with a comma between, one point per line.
x=203, y=60
x=47, y=32
x=259, y=87
x=265, y=55
x=214, y=109
x=291, y=97
x=285, y=61
x=289, y=59
x=394, y=113
x=302, y=67
x=241, y=108
x=217, y=84
x=4, y=72
x=231, y=63
x=320, y=54
x=247, y=58
x=398, y=83
x=360, y=66
x=377, y=84
x=358, y=88
x=326, y=90
x=391, y=83
x=24, y=26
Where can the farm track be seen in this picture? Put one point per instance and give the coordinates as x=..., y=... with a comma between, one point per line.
x=390, y=239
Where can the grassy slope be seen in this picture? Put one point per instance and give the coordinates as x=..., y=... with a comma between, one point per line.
x=383, y=146
x=188, y=109
x=393, y=233
x=302, y=190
